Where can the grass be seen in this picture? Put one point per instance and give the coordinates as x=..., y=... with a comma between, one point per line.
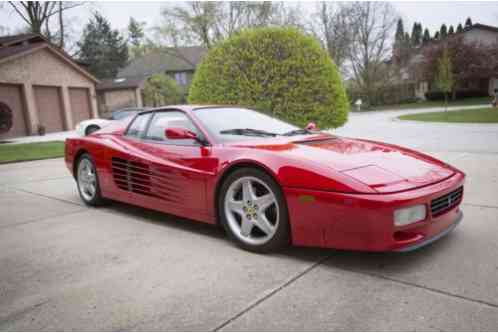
x=31, y=151
x=432, y=104
x=484, y=115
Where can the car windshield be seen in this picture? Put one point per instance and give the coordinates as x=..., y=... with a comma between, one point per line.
x=235, y=124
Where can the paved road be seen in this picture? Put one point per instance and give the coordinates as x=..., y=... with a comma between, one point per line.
x=64, y=266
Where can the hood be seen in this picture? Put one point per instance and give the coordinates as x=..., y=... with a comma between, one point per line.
x=384, y=168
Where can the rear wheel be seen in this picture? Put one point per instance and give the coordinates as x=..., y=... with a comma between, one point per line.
x=253, y=211
x=88, y=182
x=90, y=129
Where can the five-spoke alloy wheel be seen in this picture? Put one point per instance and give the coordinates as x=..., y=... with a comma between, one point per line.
x=88, y=183
x=253, y=210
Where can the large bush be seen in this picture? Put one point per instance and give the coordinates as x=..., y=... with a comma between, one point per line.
x=276, y=70
x=160, y=89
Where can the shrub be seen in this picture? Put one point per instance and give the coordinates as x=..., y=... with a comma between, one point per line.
x=277, y=70
x=459, y=94
x=160, y=89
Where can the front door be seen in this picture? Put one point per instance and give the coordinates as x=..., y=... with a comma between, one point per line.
x=169, y=175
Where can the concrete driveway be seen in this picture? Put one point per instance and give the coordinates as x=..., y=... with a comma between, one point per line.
x=64, y=266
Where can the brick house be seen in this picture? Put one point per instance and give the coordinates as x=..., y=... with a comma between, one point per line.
x=126, y=89
x=41, y=85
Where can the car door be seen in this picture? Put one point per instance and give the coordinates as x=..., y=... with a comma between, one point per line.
x=119, y=155
x=170, y=175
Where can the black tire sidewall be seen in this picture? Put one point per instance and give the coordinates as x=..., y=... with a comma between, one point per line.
x=282, y=235
x=97, y=198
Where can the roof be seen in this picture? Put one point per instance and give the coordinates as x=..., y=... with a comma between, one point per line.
x=122, y=83
x=15, y=46
x=482, y=27
x=165, y=60
x=20, y=39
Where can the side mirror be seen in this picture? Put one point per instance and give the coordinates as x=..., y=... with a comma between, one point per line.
x=311, y=127
x=176, y=133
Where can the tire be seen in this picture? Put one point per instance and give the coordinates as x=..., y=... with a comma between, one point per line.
x=85, y=167
x=90, y=129
x=260, y=224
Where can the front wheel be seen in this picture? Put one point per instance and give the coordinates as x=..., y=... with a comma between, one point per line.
x=88, y=182
x=253, y=211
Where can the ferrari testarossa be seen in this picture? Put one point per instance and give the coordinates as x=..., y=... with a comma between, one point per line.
x=269, y=183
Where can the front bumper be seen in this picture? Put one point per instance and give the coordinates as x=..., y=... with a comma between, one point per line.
x=433, y=238
x=365, y=221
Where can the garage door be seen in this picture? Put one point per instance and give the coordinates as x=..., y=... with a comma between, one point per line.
x=48, y=103
x=80, y=104
x=11, y=97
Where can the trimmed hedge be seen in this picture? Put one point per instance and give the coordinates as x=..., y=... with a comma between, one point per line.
x=439, y=95
x=277, y=70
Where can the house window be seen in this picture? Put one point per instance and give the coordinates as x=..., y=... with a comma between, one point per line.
x=181, y=78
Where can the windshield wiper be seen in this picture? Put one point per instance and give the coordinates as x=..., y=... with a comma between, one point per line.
x=297, y=132
x=248, y=132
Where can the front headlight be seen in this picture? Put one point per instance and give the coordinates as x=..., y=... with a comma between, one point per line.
x=409, y=215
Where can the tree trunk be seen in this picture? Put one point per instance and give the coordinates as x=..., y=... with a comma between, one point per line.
x=61, y=27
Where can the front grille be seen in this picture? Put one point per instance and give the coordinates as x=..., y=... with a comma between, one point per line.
x=445, y=203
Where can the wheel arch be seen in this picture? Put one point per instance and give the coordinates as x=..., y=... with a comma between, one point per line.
x=77, y=156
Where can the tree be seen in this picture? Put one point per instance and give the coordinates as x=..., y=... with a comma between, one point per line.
x=470, y=61
x=468, y=23
x=371, y=47
x=451, y=31
x=400, y=31
x=427, y=36
x=416, y=38
x=333, y=25
x=278, y=70
x=160, y=89
x=136, y=38
x=206, y=23
x=444, y=77
x=103, y=49
x=443, y=32
x=436, y=35
x=459, y=28
x=38, y=14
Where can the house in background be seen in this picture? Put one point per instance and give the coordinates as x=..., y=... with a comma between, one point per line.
x=42, y=86
x=414, y=85
x=126, y=89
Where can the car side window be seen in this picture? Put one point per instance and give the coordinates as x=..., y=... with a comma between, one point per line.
x=170, y=119
x=138, y=126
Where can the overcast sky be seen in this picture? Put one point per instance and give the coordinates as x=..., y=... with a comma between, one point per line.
x=430, y=14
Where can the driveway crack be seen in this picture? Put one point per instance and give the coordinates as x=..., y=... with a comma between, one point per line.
x=271, y=293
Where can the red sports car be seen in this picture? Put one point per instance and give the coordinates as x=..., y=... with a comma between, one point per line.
x=269, y=183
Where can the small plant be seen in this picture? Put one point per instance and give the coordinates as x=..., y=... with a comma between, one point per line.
x=41, y=130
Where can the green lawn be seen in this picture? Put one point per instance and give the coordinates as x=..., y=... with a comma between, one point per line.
x=484, y=115
x=31, y=151
x=432, y=104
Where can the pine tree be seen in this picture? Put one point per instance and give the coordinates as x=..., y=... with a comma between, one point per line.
x=436, y=35
x=416, y=38
x=103, y=49
x=451, y=30
x=427, y=36
x=443, y=31
x=459, y=28
x=468, y=22
x=400, y=31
